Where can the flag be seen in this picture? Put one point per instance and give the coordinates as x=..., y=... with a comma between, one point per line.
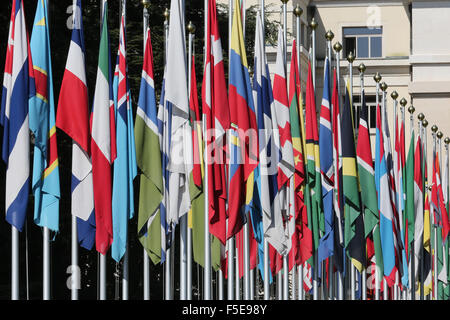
x=103, y=142
x=266, y=215
x=399, y=167
x=302, y=239
x=179, y=150
x=354, y=237
x=286, y=165
x=243, y=136
x=75, y=122
x=125, y=168
x=418, y=205
x=45, y=182
x=338, y=259
x=384, y=203
x=409, y=202
x=196, y=220
x=427, y=253
x=326, y=246
x=216, y=109
x=148, y=157
x=366, y=176
x=313, y=161
x=18, y=88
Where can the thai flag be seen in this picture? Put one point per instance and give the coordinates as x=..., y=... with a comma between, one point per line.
x=18, y=88
x=125, y=168
x=73, y=118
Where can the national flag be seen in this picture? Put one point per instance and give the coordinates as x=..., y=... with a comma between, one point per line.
x=286, y=165
x=216, y=109
x=148, y=157
x=366, y=176
x=103, y=142
x=409, y=202
x=313, y=161
x=45, y=183
x=338, y=259
x=196, y=220
x=354, y=237
x=302, y=239
x=266, y=216
x=125, y=167
x=74, y=121
x=18, y=88
x=427, y=253
x=384, y=203
x=399, y=167
x=243, y=136
x=418, y=206
x=326, y=246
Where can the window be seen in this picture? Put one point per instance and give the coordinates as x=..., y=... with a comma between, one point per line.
x=363, y=42
x=371, y=104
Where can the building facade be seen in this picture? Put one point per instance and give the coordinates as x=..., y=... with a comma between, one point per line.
x=406, y=41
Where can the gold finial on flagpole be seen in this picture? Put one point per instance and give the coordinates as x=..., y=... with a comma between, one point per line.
x=377, y=77
x=337, y=46
x=383, y=86
x=394, y=95
x=329, y=35
x=411, y=109
x=298, y=10
x=191, y=27
x=313, y=24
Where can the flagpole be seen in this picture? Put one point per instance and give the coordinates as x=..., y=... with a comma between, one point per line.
x=350, y=59
x=146, y=271
x=394, y=96
x=338, y=47
x=434, y=130
x=411, y=110
x=313, y=25
x=102, y=258
x=424, y=153
x=362, y=69
x=168, y=261
x=207, y=253
x=329, y=35
x=384, y=87
x=298, y=268
x=377, y=77
x=285, y=282
x=191, y=30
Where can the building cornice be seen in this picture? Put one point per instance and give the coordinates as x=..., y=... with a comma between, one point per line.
x=357, y=3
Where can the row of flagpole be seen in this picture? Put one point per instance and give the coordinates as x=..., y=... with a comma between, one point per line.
x=186, y=233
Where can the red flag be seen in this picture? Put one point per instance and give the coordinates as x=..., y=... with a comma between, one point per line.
x=216, y=109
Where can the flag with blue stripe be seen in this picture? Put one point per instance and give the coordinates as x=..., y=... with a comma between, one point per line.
x=18, y=88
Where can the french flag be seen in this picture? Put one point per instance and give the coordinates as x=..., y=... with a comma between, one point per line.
x=18, y=88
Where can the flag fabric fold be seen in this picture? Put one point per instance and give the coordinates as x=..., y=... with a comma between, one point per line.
x=103, y=142
x=75, y=122
x=125, y=167
x=18, y=91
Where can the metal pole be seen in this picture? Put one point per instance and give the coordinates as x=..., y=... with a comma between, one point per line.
x=266, y=270
x=125, y=269
x=313, y=25
x=207, y=269
x=383, y=121
x=362, y=68
x=101, y=257
x=411, y=110
x=191, y=29
x=338, y=48
x=146, y=271
x=377, y=79
x=434, y=129
x=230, y=281
x=14, y=263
